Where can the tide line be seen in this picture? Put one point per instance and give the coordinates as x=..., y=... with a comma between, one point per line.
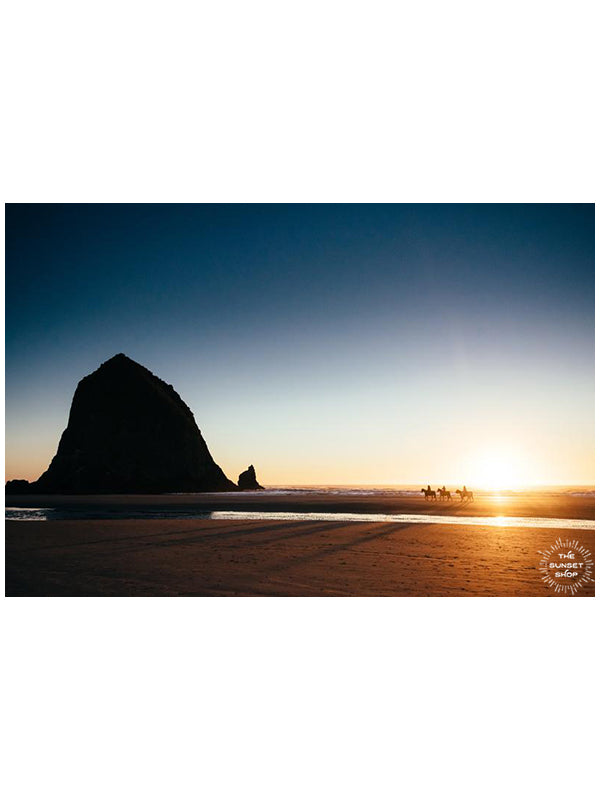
x=427, y=519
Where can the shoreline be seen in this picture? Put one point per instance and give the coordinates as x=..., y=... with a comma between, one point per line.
x=534, y=504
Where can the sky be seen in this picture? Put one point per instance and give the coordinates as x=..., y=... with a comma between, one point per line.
x=325, y=344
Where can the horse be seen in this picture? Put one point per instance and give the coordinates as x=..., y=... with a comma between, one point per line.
x=445, y=494
x=465, y=495
x=429, y=493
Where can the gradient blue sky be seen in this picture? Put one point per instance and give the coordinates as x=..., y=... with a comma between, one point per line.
x=323, y=343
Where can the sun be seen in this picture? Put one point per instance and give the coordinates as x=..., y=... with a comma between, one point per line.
x=497, y=469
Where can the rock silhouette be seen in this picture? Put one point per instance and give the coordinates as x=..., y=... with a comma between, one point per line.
x=128, y=431
x=247, y=479
x=18, y=487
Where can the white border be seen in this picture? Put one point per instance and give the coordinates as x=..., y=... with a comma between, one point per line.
x=329, y=102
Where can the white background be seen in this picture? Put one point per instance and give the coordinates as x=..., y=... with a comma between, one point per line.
x=288, y=101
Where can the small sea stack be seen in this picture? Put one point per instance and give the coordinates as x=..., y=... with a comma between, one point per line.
x=128, y=432
x=247, y=480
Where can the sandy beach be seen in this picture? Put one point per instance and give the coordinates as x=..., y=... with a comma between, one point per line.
x=206, y=557
x=533, y=504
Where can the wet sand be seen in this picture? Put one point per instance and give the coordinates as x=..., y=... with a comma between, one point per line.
x=535, y=504
x=221, y=557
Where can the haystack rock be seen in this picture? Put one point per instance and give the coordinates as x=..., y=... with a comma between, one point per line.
x=128, y=431
x=247, y=479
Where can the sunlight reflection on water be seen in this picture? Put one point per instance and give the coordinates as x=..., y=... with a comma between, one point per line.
x=428, y=519
x=46, y=514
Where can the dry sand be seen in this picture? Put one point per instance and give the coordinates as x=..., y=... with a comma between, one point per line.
x=222, y=557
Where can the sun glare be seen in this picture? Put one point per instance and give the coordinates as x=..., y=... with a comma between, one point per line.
x=498, y=470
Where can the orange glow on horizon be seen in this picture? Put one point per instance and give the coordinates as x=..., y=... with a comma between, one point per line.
x=500, y=468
